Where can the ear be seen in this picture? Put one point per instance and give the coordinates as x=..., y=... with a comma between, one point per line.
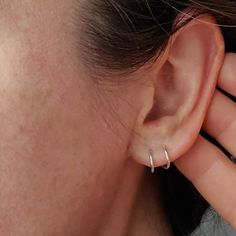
x=182, y=85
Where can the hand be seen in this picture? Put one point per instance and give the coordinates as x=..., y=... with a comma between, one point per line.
x=205, y=165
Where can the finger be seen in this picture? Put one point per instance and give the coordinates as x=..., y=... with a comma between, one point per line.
x=227, y=78
x=220, y=121
x=213, y=175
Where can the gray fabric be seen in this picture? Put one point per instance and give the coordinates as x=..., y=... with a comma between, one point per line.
x=214, y=225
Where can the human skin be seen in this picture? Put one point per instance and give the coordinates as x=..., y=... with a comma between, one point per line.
x=63, y=151
x=65, y=167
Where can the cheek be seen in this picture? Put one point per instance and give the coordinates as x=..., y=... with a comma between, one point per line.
x=57, y=150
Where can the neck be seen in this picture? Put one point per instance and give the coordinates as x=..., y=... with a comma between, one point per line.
x=137, y=209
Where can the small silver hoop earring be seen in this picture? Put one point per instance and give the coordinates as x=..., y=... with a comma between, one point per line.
x=167, y=166
x=151, y=161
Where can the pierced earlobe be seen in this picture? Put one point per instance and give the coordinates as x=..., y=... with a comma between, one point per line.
x=151, y=160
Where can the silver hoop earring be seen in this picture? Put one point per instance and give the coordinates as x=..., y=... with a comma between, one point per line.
x=151, y=161
x=167, y=166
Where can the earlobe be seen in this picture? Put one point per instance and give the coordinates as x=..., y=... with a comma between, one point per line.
x=182, y=89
